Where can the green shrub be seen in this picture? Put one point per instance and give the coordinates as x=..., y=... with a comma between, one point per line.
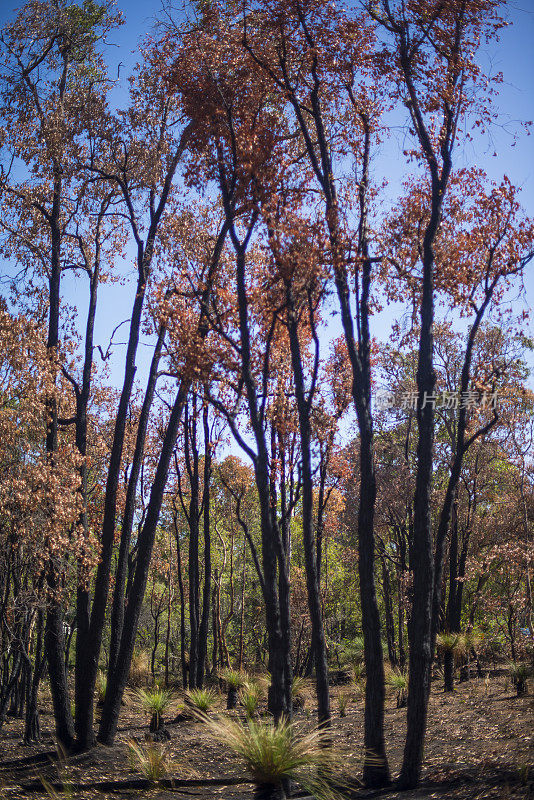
x=151, y=760
x=399, y=682
x=138, y=675
x=273, y=753
x=233, y=678
x=250, y=698
x=519, y=672
x=343, y=700
x=201, y=699
x=101, y=686
x=156, y=702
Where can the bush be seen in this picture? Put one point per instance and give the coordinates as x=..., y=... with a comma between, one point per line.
x=234, y=680
x=156, y=702
x=352, y=652
x=299, y=691
x=139, y=669
x=151, y=760
x=454, y=643
x=399, y=682
x=275, y=753
x=519, y=674
x=201, y=699
x=250, y=698
x=101, y=686
x=343, y=699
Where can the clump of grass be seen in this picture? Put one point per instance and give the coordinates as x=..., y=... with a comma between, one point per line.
x=201, y=699
x=454, y=643
x=67, y=785
x=101, y=686
x=233, y=677
x=156, y=702
x=473, y=639
x=399, y=682
x=358, y=678
x=65, y=793
x=139, y=669
x=250, y=698
x=352, y=652
x=273, y=753
x=299, y=691
x=234, y=680
x=151, y=760
x=343, y=700
x=519, y=673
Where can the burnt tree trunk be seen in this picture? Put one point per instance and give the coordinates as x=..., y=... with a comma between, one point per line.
x=206, y=589
x=117, y=679
x=304, y=405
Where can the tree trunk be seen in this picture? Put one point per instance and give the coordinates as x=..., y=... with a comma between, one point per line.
x=117, y=679
x=421, y=556
x=206, y=589
x=269, y=791
x=117, y=608
x=191, y=459
x=182, y=599
x=32, y=728
x=388, y=608
x=310, y=551
x=90, y=646
x=54, y=641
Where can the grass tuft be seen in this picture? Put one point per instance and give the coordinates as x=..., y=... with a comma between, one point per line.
x=398, y=681
x=251, y=695
x=201, y=699
x=274, y=752
x=151, y=760
x=233, y=678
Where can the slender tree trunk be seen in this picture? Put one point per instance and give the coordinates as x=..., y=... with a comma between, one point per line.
x=182, y=599
x=32, y=728
x=421, y=560
x=450, y=625
x=90, y=644
x=117, y=609
x=117, y=680
x=242, y=614
x=206, y=589
x=310, y=550
x=388, y=608
x=277, y=632
x=54, y=640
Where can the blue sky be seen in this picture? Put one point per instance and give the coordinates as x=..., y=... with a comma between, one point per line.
x=513, y=55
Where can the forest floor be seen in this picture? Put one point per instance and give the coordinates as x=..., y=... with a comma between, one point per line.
x=480, y=744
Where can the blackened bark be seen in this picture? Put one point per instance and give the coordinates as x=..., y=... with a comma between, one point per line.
x=451, y=624
x=117, y=680
x=117, y=609
x=83, y=723
x=145, y=253
x=182, y=598
x=93, y=639
x=32, y=728
x=54, y=642
x=421, y=561
x=461, y=446
x=206, y=589
x=193, y=518
x=304, y=404
x=272, y=549
x=388, y=608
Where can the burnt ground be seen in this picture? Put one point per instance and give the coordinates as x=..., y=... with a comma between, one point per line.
x=480, y=744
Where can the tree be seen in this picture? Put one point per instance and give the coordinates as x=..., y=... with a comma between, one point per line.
x=53, y=84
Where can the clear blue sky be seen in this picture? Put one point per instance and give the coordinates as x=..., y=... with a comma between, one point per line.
x=513, y=55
